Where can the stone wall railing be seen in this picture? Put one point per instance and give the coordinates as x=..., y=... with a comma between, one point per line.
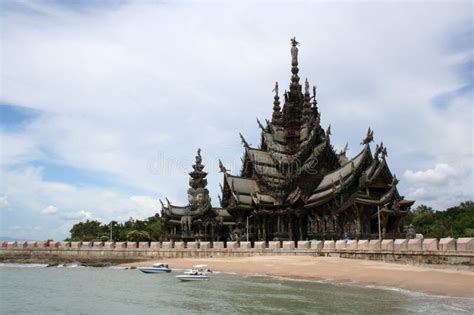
x=429, y=245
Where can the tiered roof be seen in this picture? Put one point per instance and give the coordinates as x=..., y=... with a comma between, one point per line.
x=296, y=163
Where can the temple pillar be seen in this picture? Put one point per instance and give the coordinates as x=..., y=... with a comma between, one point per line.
x=358, y=219
x=290, y=228
x=300, y=228
x=264, y=232
x=318, y=224
x=384, y=222
x=257, y=228
x=308, y=225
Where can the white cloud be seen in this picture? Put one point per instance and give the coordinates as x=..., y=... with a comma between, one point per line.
x=146, y=203
x=441, y=186
x=76, y=216
x=438, y=175
x=4, y=204
x=67, y=203
x=49, y=210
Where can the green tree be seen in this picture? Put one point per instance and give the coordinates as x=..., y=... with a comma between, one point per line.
x=138, y=236
x=456, y=221
x=87, y=231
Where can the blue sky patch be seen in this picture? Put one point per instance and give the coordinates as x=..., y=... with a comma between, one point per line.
x=13, y=117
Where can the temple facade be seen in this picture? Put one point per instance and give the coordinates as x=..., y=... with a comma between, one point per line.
x=295, y=186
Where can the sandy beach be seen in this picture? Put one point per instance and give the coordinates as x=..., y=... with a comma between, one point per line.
x=449, y=282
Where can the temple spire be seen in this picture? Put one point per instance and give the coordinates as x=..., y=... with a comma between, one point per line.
x=295, y=79
x=315, y=102
x=307, y=101
x=198, y=176
x=276, y=117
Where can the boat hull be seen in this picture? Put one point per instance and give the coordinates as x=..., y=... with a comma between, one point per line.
x=154, y=270
x=193, y=278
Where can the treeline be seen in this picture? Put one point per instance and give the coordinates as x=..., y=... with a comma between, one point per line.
x=455, y=222
x=131, y=230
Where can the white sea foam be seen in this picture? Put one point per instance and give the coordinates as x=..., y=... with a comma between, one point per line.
x=10, y=265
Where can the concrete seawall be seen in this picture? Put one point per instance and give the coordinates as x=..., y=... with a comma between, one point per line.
x=445, y=251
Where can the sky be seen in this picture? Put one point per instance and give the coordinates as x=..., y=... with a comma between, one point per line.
x=103, y=104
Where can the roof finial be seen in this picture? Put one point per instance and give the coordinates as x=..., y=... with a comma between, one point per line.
x=307, y=101
x=328, y=131
x=260, y=125
x=315, y=102
x=344, y=150
x=244, y=141
x=295, y=79
x=276, y=117
x=384, y=153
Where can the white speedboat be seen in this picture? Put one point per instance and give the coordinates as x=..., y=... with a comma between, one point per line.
x=198, y=268
x=197, y=273
x=156, y=268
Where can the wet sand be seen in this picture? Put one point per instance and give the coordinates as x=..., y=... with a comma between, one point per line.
x=447, y=281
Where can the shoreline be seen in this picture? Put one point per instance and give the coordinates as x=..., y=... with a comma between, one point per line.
x=441, y=282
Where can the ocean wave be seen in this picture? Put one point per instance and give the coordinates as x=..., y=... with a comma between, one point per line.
x=469, y=301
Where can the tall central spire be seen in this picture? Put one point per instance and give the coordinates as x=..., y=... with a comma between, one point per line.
x=295, y=79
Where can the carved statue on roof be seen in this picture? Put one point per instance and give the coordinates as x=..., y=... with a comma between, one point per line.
x=394, y=180
x=377, y=150
x=294, y=50
x=384, y=152
x=222, y=167
x=344, y=150
x=369, y=137
x=198, y=157
x=275, y=89
x=244, y=142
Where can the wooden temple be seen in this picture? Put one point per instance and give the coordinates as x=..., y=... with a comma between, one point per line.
x=295, y=186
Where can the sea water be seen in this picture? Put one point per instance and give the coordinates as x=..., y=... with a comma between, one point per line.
x=85, y=290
